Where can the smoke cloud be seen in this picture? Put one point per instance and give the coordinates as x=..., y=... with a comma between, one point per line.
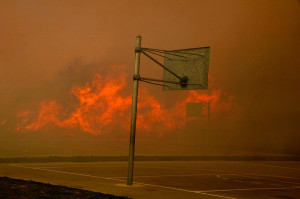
x=54, y=53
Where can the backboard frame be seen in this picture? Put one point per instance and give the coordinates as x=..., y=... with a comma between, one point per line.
x=193, y=64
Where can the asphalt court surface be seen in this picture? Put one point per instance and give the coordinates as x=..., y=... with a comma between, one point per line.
x=170, y=179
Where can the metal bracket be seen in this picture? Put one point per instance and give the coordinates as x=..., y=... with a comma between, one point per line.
x=136, y=77
x=160, y=64
x=138, y=49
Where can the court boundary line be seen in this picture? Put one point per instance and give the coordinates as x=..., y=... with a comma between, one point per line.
x=204, y=192
x=183, y=175
x=268, y=165
x=257, y=177
x=214, y=170
x=229, y=172
x=64, y=172
x=107, y=178
x=249, y=189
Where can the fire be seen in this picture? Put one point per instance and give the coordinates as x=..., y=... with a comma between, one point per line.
x=153, y=116
x=100, y=104
x=3, y=122
x=49, y=112
x=101, y=107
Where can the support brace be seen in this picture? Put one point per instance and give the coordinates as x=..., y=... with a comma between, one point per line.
x=136, y=77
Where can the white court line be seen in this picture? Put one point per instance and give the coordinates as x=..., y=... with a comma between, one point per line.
x=219, y=176
x=276, y=176
x=85, y=175
x=254, y=177
x=251, y=176
x=56, y=167
x=137, y=166
x=229, y=172
x=64, y=172
x=185, y=190
x=183, y=175
x=269, y=165
x=204, y=192
x=249, y=189
x=236, y=172
x=209, y=194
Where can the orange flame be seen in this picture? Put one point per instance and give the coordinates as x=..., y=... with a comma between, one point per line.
x=3, y=122
x=101, y=107
x=49, y=112
x=153, y=116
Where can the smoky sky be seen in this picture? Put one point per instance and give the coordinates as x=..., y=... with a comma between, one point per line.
x=47, y=47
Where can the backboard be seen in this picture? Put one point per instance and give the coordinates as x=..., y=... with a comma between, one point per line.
x=192, y=63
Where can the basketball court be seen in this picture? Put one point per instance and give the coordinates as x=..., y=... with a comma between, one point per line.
x=170, y=179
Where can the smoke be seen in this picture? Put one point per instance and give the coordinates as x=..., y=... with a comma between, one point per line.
x=254, y=73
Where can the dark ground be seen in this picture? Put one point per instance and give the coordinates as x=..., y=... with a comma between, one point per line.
x=22, y=189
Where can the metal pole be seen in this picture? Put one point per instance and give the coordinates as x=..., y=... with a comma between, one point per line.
x=134, y=109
